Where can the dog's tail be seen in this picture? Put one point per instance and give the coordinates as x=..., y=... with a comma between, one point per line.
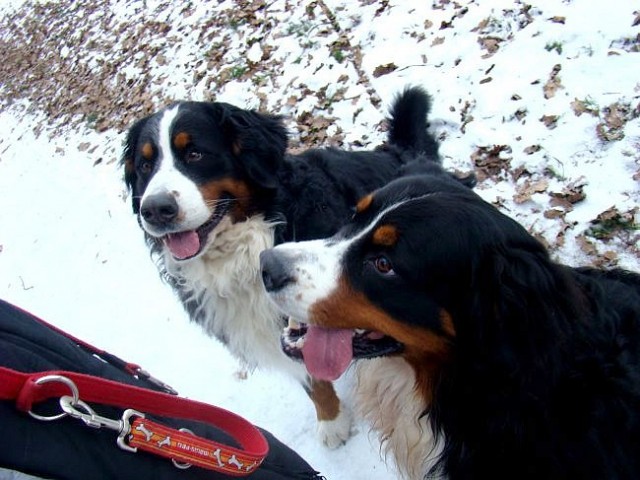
x=408, y=123
x=408, y=132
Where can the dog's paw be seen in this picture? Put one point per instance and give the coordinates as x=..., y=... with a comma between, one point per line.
x=335, y=433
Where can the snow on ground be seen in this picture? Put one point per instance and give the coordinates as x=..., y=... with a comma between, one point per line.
x=542, y=100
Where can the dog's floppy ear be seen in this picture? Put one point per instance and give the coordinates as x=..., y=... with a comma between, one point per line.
x=127, y=161
x=522, y=300
x=258, y=140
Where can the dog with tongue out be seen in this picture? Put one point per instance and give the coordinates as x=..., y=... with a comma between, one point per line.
x=327, y=352
x=183, y=245
x=212, y=187
x=294, y=285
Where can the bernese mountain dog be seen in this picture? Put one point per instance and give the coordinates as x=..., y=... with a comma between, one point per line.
x=508, y=365
x=212, y=187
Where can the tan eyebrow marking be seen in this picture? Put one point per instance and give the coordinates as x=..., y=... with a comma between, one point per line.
x=147, y=151
x=181, y=140
x=364, y=203
x=386, y=236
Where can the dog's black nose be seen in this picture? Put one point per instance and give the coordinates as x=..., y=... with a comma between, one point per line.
x=275, y=272
x=159, y=209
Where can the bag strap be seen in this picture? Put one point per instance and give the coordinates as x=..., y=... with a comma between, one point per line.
x=134, y=430
x=132, y=369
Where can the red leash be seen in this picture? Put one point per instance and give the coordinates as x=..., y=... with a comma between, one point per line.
x=134, y=430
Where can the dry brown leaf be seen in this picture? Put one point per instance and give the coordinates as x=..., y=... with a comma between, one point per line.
x=526, y=191
x=586, y=246
x=568, y=197
x=491, y=161
x=615, y=118
x=531, y=149
x=550, y=121
x=482, y=25
x=554, y=213
x=581, y=106
x=615, y=115
x=553, y=84
x=383, y=6
x=385, y=69
x=490, y=44
x=561, y=237
x=608, y=214
x=560, y=203
x=518, y=172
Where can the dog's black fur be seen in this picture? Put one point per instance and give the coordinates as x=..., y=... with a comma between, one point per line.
x=544, y=377
x=529, y=369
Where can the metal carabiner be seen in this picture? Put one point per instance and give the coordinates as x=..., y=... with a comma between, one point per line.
x=90, y=418
x=59, y=379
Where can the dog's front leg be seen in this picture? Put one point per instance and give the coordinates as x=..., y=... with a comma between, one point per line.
x=334, y=419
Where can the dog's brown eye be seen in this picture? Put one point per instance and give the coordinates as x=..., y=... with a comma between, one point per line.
x=193, y=156
x=383, y=264
x=145, y=167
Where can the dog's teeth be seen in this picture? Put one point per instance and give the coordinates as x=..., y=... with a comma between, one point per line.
x=360, y=331
x=293, y=324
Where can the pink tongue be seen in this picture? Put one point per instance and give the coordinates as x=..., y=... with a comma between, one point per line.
x=327, y=352
x=183, y=245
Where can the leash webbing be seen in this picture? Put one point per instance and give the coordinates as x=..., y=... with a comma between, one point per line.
x=182, y=446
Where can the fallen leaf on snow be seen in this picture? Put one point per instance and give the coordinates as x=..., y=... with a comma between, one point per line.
x=584, y=106
x=553, y=84
x=550, y=121
x=572, y=193
x=612, y=222
x=586, y=245
x=614, y=119
x=381, y=70
x=492, y=160
x=531, y=149
x=490, y=44
x=525, y=191
x=553, y=213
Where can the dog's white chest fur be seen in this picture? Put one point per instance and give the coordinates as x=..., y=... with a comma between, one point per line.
x=226, y=283
x=386, y=397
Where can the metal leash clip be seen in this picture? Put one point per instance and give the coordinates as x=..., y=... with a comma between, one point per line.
x=71, y=407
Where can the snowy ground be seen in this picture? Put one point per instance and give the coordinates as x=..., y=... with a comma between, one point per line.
x=542, y=100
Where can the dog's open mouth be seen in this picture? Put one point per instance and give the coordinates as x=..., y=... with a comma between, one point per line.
x=327, y=352
x=188, y=244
